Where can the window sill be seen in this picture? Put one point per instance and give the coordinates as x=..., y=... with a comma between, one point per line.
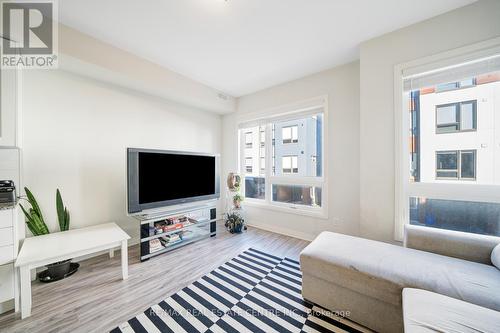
x=320, y=213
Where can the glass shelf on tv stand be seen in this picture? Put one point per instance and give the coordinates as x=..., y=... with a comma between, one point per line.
x=201, y=234
x=159, y=216
x=203, y=218
x=188, y=227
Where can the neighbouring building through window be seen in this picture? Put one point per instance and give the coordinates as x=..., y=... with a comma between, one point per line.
x=293, y=153
x=454, y=148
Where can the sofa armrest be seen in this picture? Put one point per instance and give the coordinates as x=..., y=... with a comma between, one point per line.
x=462, y=245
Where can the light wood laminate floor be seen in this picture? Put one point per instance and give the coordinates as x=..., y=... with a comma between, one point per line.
x=96, y=299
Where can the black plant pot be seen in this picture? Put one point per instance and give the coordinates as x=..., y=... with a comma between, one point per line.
x=58, y=270
x=55, y=272
x=237, y=228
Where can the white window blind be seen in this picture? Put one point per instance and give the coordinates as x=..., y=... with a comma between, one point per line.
x=452, y=73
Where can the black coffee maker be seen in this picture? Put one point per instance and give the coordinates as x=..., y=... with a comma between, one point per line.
x=7, y=192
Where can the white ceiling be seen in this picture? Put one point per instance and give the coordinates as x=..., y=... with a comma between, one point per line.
x=241, y=46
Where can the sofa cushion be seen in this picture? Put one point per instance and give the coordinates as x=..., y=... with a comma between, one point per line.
x=495, y=256
x=382, y=270
x=425, y=311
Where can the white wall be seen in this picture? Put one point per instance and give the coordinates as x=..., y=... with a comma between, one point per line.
x=76, y=131
x=341, y=84
x=464, y=26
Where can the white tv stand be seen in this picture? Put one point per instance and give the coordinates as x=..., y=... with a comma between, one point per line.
x=176, y=227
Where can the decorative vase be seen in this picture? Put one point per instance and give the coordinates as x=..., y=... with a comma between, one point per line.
x=233, y=181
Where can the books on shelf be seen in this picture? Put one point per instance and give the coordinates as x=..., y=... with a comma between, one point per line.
x=166, y=232
x=172, y=227
x=171, y=224
x=155, y=245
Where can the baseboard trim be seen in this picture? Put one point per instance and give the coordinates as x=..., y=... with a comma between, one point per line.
x=282, y=231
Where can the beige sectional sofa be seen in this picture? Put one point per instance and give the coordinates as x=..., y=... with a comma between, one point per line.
x=366, y=277
x=428, y=312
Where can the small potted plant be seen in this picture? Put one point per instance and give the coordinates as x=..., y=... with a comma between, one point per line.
x=237, y=199
x=234, y=222
x=37, y=226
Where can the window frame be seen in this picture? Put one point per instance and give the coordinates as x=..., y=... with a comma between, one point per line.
x=248, y=144
x=458, y=85
x=474, y=153
x=458, y=114
x=448, y=191
x=458, y=170
x=292, y=169
x=265, y=118
x=291, y=140
x=247, y=166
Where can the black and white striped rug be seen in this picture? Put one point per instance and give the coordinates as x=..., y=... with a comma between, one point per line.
x=253, y=292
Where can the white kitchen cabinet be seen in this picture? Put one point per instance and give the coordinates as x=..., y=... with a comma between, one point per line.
x=6, y=218
x=8, y=254
x=7, y=282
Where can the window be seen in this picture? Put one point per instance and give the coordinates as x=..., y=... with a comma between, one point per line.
x=262, y=138
x=289, y=164
x=447, y=118
x=468, y=164
x=290, y=134
x=287, y=158
x=253, y=157
x=452, y=180
x=248, y=164
x=456, y=164
x=456, y=117
x=447, y=164
x=248, y=139
x=255, y=188
x=476, y=217
x=468, y=116
x=455, y=85
x=290, y=175
x=297, y=194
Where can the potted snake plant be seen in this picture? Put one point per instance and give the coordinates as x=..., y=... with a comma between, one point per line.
x=36, y=224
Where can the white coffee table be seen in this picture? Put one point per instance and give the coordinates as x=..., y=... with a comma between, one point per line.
x=46, y=249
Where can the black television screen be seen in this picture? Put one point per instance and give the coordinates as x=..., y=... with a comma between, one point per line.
x=162, y=178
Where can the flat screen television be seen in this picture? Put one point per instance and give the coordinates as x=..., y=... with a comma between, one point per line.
x=159, y=178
